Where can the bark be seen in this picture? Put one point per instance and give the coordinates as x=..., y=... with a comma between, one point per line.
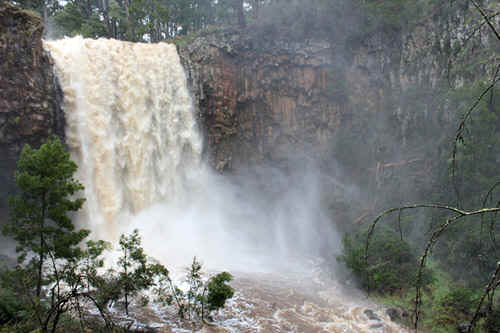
x=42, y=242
x=241, y=13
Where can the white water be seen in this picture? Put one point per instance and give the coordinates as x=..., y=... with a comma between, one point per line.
x=129, y=126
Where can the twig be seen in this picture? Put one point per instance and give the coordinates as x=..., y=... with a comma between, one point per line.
x=461, y=127
x=488, y=21
x=459, y=214
x=492, y=224
x=492, y=285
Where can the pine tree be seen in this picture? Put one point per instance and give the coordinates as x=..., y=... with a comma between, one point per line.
x=135, y=274
x=39, y=212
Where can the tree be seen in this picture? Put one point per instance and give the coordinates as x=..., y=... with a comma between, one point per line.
x=41, y=225
x=239, y=8
x=135, y=274
x=200, y=298
x=39, y=213
x=219, y=291
x=194, y=296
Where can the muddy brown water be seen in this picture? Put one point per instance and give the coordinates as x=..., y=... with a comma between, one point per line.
x=286, y=302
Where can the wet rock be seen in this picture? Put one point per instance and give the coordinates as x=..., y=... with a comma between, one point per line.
x=396, y=314
x=371, y=315
x=375, y=326
x=463, y=327
x=213, y=329
x=29, y=93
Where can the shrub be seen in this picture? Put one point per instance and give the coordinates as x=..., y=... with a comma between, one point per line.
x=391, y=265
x=219, y=291
x=460, y=301
x=492, y=324
x=11, y=307
x=201, y=298
x=455, y=307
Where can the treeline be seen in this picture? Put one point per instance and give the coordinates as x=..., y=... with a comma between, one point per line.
x=156, y=20
x=133, y=20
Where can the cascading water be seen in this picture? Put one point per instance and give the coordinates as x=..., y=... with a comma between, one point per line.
x=130, y=127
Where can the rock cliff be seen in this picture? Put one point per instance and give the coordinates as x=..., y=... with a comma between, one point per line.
x=265, y=101
x=29, y=94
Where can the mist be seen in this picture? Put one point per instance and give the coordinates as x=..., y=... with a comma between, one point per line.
x=259, y=220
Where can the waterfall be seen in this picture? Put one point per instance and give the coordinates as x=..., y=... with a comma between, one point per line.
x=130, y=125
x=131, y=128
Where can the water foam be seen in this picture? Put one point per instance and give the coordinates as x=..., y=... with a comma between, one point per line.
x=130, y=125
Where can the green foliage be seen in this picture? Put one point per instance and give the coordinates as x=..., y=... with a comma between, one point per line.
x=456, y=307
x=447, y=304
x=492, y=323
x=467, y=243
x=470, y=175
x=391, y=15
x=392, y=266
x=479, y=150
x=42, y=7
x=41, y=225
x=194, y=295
x=138, y=20
x=39, y=213
x=69, y=20
x=219, y=291
x=11, y=306
x=201, y=298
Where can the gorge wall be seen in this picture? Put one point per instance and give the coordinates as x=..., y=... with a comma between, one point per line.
x=371, y=105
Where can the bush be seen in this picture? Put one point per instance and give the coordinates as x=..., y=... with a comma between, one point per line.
x=492, y=324
x=201, y=298
x=391, y=265
x=219, y=291
x=460, y=301
x=11, y=307
x=455, y=307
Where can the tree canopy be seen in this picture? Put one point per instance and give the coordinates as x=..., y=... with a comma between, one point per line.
x=156, y=20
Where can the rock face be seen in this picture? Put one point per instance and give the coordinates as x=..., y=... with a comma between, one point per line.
x=262, y=104
x=264, y=101
x=29, y=94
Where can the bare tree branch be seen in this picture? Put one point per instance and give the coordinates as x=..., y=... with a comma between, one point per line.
x=459, y=213
x=489, y=195
x=461, y=128
x=492, y=285
x=485, y=16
